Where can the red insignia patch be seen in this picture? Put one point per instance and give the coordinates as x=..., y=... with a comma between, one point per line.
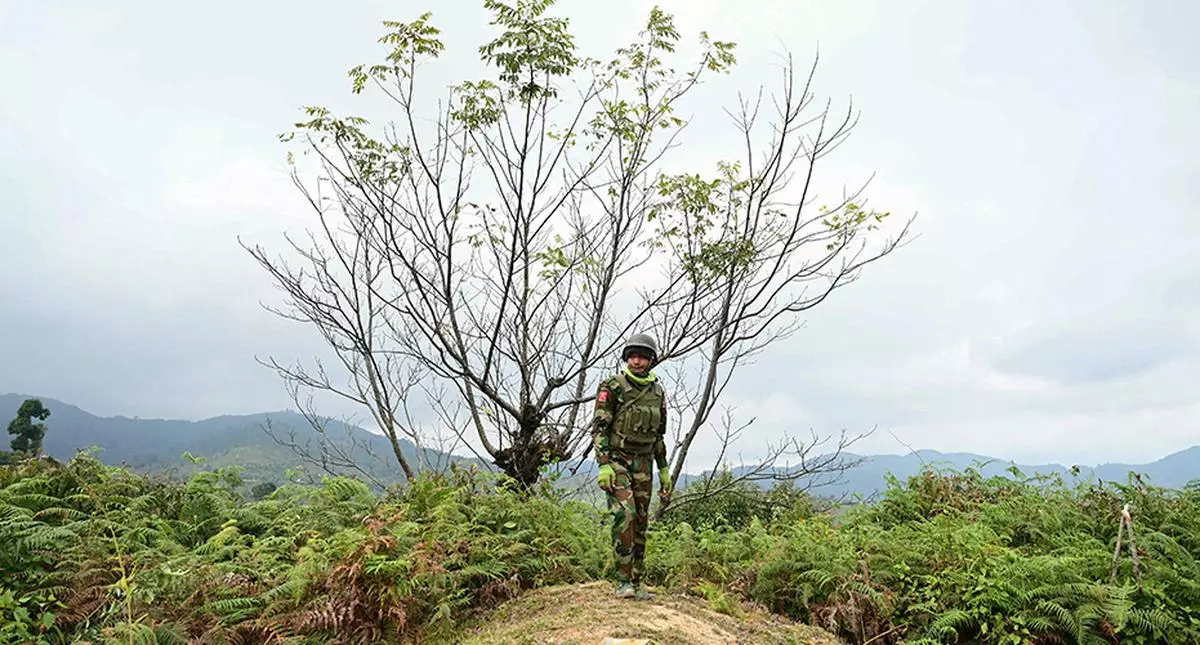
x=602, y=396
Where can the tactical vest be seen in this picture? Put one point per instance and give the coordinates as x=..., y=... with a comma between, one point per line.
x=635, y=426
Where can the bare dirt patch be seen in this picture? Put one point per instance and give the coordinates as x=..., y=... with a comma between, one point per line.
x=589, y=614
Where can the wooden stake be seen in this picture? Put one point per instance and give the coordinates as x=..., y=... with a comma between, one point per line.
x=1126, y=524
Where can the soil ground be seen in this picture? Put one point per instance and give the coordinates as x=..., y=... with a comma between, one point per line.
x=589, y=614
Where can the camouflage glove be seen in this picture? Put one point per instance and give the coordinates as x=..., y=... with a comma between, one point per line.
x=664, y=486
x=606, y=477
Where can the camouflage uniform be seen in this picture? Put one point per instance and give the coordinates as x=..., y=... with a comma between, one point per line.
x=623, y=404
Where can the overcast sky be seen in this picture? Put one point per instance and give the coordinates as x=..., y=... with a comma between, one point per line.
x=1048, y=310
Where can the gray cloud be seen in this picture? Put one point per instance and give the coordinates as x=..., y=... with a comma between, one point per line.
x=1100, y=352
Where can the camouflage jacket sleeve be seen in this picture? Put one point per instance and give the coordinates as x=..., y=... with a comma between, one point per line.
x=606, y=406
x=660, y=446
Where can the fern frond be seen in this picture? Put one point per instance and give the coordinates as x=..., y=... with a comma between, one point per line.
x=32, y=501
x=1060, y=616
x=1156, y=620
x=820, y=578
x=953, y=623
x=234, y=605
x=170, y=635
x=59, y=512
x=346, y=489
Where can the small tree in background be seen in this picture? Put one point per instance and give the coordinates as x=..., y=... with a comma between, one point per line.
x=27, y=435
x=262, y=489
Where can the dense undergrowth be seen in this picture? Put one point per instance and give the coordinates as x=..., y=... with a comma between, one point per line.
x=954, y=557
x=95, y=553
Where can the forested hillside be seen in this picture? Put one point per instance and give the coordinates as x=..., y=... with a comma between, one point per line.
x=252, y=442
x=158, y=445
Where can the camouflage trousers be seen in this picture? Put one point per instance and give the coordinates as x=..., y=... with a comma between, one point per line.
x=629, y=504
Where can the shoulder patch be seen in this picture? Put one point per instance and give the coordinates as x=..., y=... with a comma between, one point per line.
x=602, y=396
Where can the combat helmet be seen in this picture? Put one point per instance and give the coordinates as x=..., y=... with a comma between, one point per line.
x=640, y=341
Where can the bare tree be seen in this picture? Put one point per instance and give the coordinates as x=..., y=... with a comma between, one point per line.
x=815, y=464
x=755, y=261
x=353, y=453
x=497, y=245
x=348, y=458
x=336, y=290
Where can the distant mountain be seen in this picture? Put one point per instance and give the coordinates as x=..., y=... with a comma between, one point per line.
x=869, y=476
x=159, y=444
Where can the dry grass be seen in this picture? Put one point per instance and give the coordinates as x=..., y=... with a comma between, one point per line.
x=588, y=614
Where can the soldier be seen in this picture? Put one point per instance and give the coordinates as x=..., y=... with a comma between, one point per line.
x=628, y=431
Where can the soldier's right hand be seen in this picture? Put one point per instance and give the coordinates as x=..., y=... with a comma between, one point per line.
x=606, y=477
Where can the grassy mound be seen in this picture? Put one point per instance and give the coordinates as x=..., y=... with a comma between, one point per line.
x=588, y=614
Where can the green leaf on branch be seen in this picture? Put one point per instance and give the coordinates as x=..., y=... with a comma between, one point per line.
x=847, y=221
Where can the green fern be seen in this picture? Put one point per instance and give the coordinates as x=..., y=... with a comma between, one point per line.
x=170, y=635
x=1156, y=621
x=945, y=557
x=235, y=607
x=953, y=622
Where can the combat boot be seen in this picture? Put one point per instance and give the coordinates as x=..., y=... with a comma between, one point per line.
x=626, y=590
x=640, y=593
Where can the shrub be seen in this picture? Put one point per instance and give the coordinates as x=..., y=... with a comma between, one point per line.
x=950, y=557
x=124, y=554
x=90, y=552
